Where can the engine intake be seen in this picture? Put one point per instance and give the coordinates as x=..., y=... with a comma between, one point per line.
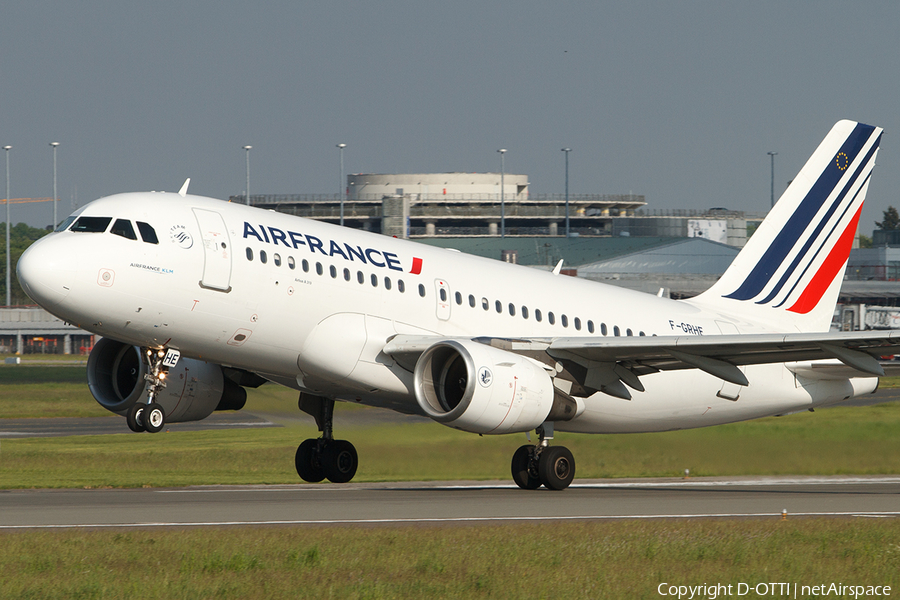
x=481, y=389
x=194, y=389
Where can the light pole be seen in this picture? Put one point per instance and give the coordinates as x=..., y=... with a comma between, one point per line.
x=772, y=157
x=567, y=150
x=247, y=199
x=7, y=148
x=341, y=147
x=502, y=151
x=54, y=145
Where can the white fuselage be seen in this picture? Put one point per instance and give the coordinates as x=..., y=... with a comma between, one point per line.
x=316, y=313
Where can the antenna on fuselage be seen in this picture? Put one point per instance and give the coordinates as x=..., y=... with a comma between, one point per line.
x=558, y=267
x=183, y=191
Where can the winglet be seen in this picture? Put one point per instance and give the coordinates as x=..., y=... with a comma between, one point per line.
x=558, y=267
x=183, y=191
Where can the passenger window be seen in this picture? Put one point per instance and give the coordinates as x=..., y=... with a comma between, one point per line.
x=249, y=253
x=642, y=334
x=524, y=312
x=577, y=324
x=91, y=224
x=374, y=280
x=333, y=270
x=421, y=290
x=603, y=329
x=458, y=298
x=537, y=315
x=387, y=283
x=346, y=274
x=564, y=320
x=305, y=266
x=291, y=263
x=550, y=318
x=443, y=294
x=499, y=306
x=471, y=300
x=319, y=268
x=512, y=309
x=628, y=332
x=123, y=228
x=401, y=287
x=262, y=257
x=616, y=331
x=276, y=258
x=485, y=304
x=590, y=326
x=148, y=234
x=360, y=277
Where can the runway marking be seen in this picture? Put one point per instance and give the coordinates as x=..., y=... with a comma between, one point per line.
x=762, y=482
x=890, y=514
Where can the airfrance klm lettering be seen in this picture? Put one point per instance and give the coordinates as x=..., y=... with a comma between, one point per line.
x=292, y=239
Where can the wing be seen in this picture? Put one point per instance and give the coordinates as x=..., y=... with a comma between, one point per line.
x=606, y=363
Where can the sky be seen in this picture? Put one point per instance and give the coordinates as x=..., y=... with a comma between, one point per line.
x=677, y=101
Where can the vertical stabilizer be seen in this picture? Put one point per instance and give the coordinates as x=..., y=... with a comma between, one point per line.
x=791, y=269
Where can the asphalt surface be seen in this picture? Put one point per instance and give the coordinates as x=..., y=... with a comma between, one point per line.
x=450, y=503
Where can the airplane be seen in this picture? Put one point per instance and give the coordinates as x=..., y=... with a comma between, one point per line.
x=197, y=299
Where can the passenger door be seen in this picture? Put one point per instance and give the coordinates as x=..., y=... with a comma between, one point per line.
x=216, y=250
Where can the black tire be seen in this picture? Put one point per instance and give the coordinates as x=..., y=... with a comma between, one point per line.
x=306, y=461
x=339, y=461
x=556, y=467
x=153, y=418
x=134, y=418
x=522, y=468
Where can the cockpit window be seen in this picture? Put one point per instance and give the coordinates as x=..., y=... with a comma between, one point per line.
x=65, y=224
x=148, y=234
x=123, y=227
x=91, y=224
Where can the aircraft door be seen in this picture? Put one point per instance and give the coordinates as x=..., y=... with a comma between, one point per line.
x=442, y=293
x=216, y=250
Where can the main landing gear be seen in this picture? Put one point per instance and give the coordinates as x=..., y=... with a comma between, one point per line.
x=542, y=464
x=149, y=416
x=325, y=457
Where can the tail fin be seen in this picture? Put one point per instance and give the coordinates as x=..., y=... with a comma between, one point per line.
x=790, y=271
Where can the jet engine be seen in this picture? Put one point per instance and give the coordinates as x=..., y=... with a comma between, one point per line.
x=482, y=389
x=194, y=389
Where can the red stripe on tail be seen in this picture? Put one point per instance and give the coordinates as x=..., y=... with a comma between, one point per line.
x=829, y=269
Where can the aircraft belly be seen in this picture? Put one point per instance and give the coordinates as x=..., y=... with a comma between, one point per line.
x=690, y=398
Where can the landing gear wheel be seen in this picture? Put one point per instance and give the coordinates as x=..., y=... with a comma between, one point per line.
x=523, y=468
x=556, y=467
x=134, y=418
x=307, y=463
x=339, y=461
x=154, y=418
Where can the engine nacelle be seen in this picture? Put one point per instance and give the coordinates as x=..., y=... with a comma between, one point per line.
x=482, y=389
x=194, y=389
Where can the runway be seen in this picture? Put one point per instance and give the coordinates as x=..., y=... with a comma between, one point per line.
x=449, y=503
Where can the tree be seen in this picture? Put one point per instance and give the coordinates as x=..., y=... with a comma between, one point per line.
x=890, y=221
x=865, y=241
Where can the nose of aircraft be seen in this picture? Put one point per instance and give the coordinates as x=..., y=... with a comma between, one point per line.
x=46, y=271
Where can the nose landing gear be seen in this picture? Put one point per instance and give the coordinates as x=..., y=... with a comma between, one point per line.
x=150, y=416
x=542, y=464
x=325, y=457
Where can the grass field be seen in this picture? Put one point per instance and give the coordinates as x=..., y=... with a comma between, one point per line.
x=555, y=560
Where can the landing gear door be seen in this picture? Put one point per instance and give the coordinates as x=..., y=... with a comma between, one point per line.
x=216, y=250
x=442, y=293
